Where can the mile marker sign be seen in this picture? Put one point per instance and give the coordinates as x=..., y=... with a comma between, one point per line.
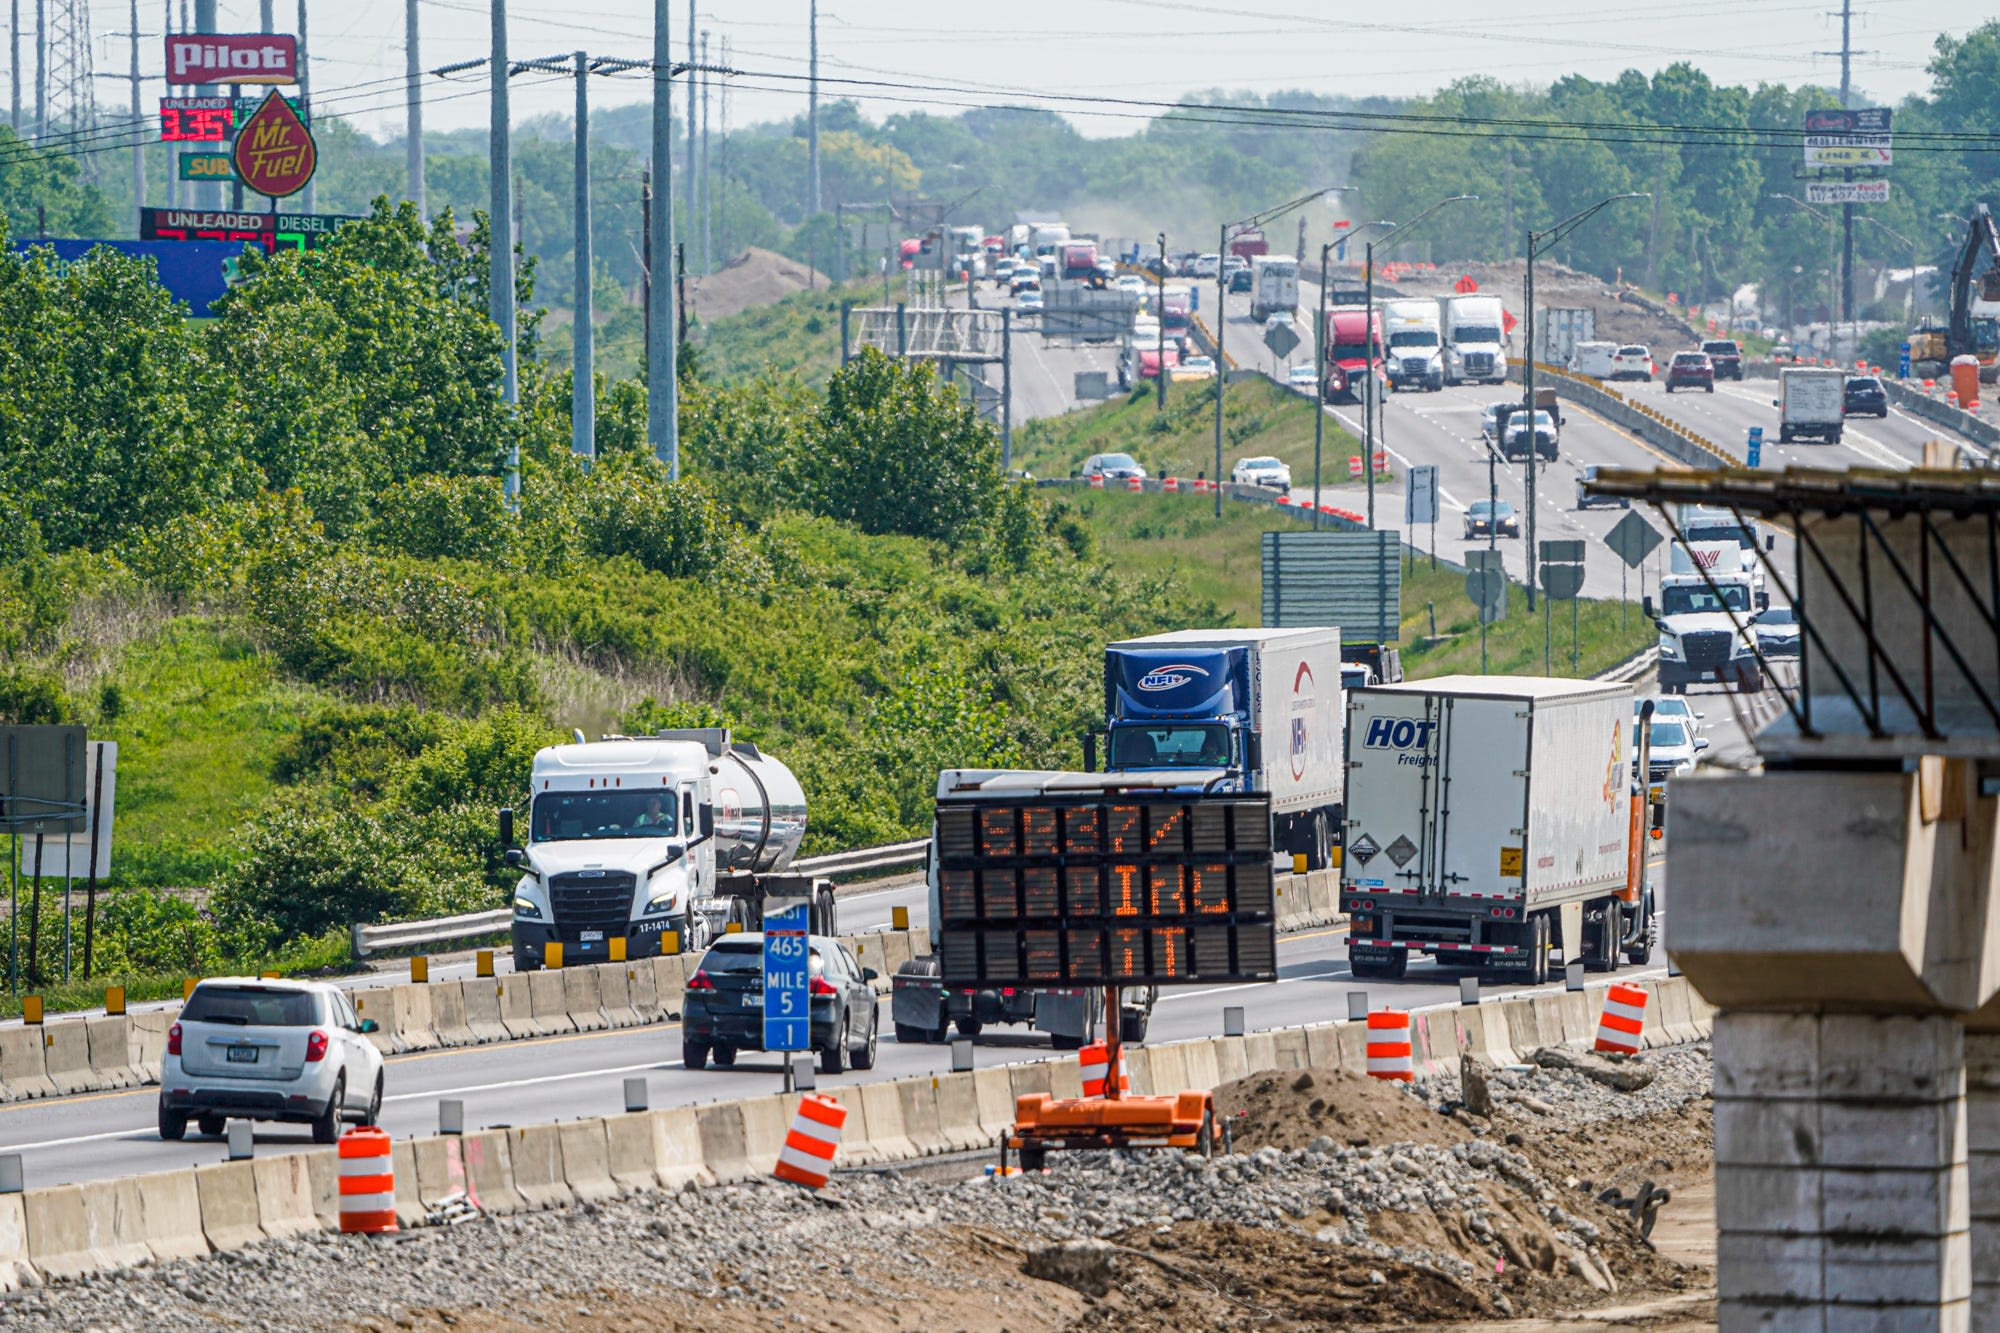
x=787, y=969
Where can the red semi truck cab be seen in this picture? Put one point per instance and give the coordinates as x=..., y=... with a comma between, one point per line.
x=1079, y=261
x=1353, y=349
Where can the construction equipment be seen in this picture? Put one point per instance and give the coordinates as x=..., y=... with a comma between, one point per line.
x=1966, y=331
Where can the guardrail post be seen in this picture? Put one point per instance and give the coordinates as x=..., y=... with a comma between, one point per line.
x=358, y=941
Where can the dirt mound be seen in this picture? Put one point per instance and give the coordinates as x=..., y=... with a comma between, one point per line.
x=754, y=278
x=1289, y=1109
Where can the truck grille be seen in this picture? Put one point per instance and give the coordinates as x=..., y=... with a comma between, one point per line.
x=1706, y=649
x=586, y=901
x=1479, y=363
x=1413, y=366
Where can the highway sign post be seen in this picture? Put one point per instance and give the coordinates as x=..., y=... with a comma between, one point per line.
x=1562, y=578
x=1420, y=503
x=1631, y=538
x=787, y=1003
x=1486, y=585
x=1282, y=339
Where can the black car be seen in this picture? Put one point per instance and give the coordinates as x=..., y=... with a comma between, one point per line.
x=1586, y=500
x=723, y=1006
x=1485, y=515
x=1865, y=397
x=1240, y=280
x=1727, y=356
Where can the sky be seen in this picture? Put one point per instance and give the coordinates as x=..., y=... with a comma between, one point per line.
x=1134, y=49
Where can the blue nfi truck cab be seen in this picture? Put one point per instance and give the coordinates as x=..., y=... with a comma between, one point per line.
x=1241, y=710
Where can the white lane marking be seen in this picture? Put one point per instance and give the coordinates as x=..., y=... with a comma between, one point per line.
x=1239, y=989
x=1861, y=444
x=80, y=1138
x=532, y=1082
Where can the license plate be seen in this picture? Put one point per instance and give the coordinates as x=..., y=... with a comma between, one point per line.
x=591, y=937
x=243, y=1055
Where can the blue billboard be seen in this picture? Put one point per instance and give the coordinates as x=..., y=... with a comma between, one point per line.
x=196, y=272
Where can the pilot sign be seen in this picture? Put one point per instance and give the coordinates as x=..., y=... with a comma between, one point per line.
x=1153, y=888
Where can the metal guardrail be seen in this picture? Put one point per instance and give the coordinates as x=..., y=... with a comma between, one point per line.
x=372, y=939
x=1631, y=668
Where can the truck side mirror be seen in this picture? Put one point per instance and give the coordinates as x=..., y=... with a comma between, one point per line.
x=1253, y=751
x=1646, y=605
x=1090, y=751
x=707, y=811
x=512, y=856
x=507, y=826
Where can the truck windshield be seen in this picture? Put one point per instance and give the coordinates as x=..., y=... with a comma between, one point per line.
x=1414, y=338
x=1696, y=599
x=1178, y=745
x=1475, y=333
x=1733, y=533
x=564, y=816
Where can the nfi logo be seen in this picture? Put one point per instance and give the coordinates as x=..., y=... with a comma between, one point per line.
x=1409, y=735
x=1169, y=677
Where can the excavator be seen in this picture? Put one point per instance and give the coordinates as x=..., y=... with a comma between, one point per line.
x=1931, y=347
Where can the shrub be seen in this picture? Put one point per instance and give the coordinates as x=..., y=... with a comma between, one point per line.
x=461, y=518
x=673, y=527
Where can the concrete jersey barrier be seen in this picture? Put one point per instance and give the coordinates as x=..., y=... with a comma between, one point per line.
x=72, y=1230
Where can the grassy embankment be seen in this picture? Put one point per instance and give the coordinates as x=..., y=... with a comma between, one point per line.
x=1258, y=418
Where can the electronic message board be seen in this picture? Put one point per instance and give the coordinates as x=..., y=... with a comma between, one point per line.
x=1154, y=888
x=294, y=231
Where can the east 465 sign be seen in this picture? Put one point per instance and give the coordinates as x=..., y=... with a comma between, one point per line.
x=275, y=154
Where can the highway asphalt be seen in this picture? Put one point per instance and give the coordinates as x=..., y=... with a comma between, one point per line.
x=1726, y=416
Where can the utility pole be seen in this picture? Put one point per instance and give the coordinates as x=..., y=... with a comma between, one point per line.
x=689, y=158
x=812, y=116
x=1160, y=331
x=707, y=182
x=500, y=253
x=139, y=149
x=14, y=65
x=1846, y=209
x=583, y=369
x=662, y=370
x=305, y=99
x=1319, y=376
x=413, y=115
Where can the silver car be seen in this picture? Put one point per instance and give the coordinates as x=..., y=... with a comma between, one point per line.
x=251, y=1049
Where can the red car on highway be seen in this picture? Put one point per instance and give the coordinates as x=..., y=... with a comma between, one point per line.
x=1691, y=370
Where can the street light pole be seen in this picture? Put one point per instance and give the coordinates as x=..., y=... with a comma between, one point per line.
x=1222, y=312
x=1160, y=330
x=1319, y=377
x=1539, y=241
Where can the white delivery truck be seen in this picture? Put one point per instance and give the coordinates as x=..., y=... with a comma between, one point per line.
x=1274, y=285
x=1489, y=819
x=1234, y=710
x=631, y=837
x=1416, y=345
x=1812, y=403
x=1593, y=359
x=1475, y=341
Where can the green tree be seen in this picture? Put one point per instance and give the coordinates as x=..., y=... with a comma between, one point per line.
x=895, y=450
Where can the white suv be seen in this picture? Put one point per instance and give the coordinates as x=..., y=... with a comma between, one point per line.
x=1633, y=361
x=269, y=1050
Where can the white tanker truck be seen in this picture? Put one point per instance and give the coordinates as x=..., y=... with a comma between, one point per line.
x=630, y=837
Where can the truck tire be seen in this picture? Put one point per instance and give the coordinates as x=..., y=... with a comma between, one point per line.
x=1749, y=681
x=1058, y=1041
x=1784, y=435
x=694, y=1054
x=969, y=1027
x=1601, y=940
x=1132, y=1028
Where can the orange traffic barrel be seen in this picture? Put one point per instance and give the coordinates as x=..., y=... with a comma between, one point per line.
x=367, y=1182
x=1389, y=1052
x=807, y=1157
x=1623, y=1021
x=1965, y=378
x=1096, y=1062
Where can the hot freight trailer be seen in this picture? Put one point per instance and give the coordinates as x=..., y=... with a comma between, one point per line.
x=1489, y=819
x=629, y=838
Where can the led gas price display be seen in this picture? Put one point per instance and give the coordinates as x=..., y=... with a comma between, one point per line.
x=1127, y=890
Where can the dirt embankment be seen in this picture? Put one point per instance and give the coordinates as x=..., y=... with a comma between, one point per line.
x=752, y=279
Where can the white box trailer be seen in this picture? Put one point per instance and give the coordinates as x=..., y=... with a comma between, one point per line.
x=1489, y=818
x=1812, y=403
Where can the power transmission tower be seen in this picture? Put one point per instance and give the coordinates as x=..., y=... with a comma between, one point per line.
x=71, y=92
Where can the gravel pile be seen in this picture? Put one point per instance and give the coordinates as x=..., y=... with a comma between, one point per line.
x=1462, y=1199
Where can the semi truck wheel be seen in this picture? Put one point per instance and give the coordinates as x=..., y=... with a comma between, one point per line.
x=970, y=1027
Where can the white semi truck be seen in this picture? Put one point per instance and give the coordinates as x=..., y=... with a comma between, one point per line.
x=1489, y=819
x=1416, y=347
x=1705, y=634
x=1713, y=539
x=1475, y=340
x=630, y=837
